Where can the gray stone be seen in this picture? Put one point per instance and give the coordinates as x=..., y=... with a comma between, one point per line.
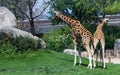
x=7, y=18
x=117, y=48
x=8, y=23
x=72, y=52
x=14, y=32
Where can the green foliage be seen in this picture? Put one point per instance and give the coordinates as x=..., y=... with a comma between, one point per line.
x=84, y=10
x=24, y=43
x=59, y=40
x=113, y=8
x=18, y=45
x=111, y=34
x=7, y=49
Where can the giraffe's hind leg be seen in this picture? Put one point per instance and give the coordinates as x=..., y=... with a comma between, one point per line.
x=80, y=61
x=103, y=51
x=79, y=51
x=90, y=55
x=95, y=52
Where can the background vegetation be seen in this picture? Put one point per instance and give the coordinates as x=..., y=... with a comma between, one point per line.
x=87, y=11
x=61, y=39
x=12, y=46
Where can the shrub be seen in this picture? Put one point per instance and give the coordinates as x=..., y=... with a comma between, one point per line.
x=8, y=49
x=18, y=45
x=60, y=39
x=111, y=33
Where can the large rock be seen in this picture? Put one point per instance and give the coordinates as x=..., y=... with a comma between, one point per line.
x=8, y=22
x=7, y=18
x=14, y=32
x=72, y=52
x=117, y=48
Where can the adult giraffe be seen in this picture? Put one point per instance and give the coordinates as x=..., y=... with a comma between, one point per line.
x=79, y=31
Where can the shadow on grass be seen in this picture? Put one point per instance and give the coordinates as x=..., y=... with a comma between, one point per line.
x=83, y=64
x=66, y=59
x=3, y=70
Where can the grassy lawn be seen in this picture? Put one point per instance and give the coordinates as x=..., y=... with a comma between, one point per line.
x=51, y=63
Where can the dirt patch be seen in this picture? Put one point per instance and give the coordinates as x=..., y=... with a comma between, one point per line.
x=112, y=60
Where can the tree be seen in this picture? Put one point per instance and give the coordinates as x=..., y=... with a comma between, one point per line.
x=21, y=7
x=109, y=6
x=85, y=10
x=113, y=8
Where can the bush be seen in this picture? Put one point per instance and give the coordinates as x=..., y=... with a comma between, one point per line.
x=18, y=45
x=8, y=49
x=111, y=33
x=23, y=44
x=60, y=39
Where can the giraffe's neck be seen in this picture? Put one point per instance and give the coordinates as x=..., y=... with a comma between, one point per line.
x=71, y=22
x=100, y=26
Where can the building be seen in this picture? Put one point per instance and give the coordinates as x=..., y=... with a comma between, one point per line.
x=41, y=26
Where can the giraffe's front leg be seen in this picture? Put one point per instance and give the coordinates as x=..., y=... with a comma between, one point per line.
x=75, y=49
x=90, y=62
x=75, y=57
x=80, y=61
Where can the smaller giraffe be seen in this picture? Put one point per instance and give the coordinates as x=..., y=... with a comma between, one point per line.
x=99, y=37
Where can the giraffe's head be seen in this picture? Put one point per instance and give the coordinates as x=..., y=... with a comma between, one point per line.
x=56, y=13
x=105, y=20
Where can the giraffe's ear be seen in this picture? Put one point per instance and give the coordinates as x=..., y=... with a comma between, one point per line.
x=103, y=15
x=54, y=11
x=100, y=20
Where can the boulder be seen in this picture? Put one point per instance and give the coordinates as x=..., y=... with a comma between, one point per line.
x=7, y=18
x=14, y=32
x=8, y=24
x=72, y=52
x=117, y=48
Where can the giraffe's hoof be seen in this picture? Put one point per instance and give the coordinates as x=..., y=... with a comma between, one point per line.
x=80, y=62
x=90, y=67
x=104, y=67
x=74, y=64
x=94, y=66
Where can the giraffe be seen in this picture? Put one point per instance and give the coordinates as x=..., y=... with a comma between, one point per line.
x=98, y=36
x=78, y=31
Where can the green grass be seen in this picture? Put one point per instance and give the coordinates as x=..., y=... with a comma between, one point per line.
x=51, y=63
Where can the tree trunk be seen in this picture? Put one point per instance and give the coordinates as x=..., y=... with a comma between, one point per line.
x=32, y=26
